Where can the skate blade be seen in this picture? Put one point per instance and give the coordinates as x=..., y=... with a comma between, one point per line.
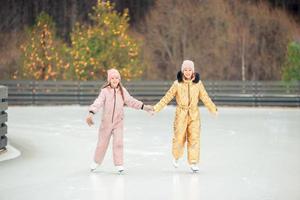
x=121, y=172
x=94, y=170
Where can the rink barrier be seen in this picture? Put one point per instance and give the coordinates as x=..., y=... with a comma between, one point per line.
x=3, y=117
x=232, y=93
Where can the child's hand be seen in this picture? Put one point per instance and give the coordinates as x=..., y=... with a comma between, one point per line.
x=89, y=119
x=148, y=108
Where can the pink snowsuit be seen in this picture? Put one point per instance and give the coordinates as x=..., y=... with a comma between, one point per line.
x=111, y=101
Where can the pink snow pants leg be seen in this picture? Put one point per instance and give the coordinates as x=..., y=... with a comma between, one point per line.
x=103, y=141
x=118, y=144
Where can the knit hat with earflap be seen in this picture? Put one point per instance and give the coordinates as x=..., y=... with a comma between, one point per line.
x=113, y=73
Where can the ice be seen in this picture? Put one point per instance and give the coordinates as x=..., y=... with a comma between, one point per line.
x=246, y=154
x=10, y=153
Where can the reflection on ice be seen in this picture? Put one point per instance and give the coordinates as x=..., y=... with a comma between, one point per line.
x=107, y=188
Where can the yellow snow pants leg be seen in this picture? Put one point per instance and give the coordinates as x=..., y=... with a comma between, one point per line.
x=193, y=141
x=179, y=137
x=188, y=130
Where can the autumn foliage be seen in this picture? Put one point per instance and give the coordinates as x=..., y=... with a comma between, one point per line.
x=227, y=39
x=43, y=54
x=94, y=48
x=104, y=44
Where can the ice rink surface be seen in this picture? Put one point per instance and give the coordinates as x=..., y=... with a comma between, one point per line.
x=246, y=154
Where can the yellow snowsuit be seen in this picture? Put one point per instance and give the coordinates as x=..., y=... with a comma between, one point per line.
x=187, y=118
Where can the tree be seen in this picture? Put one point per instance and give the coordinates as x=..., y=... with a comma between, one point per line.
x=104, y=44
x=43, y=54
x=291, y=70
x=196, y=30
x=227, y=39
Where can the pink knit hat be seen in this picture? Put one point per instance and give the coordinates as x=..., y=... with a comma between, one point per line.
x=113, y=73
x=187, y=64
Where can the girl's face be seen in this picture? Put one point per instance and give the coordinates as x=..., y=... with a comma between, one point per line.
x=114, y=81
x=188, y=73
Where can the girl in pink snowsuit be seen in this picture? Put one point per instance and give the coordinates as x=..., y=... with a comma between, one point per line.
x=112, y=98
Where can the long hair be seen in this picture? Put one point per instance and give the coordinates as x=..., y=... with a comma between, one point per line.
x=119, y=85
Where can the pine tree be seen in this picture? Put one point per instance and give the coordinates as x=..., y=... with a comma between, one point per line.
x=104, y=44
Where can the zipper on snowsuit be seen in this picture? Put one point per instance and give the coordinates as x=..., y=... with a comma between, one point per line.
x=189, y=98
x=112, y=118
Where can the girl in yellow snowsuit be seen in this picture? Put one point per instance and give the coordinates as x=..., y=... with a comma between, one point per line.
x=188, y=90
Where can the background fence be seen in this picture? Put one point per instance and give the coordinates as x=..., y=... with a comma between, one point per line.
x=233, y=93
x=3, y=118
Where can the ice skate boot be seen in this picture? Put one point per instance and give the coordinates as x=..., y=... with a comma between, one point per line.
x=94, y=166
x=120, y=169
x=194, y=168
x=175, y=163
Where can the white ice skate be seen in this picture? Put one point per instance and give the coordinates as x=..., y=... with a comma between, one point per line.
x=194, y=168
x=94, y=166
x=175, y=163
x=120, y=169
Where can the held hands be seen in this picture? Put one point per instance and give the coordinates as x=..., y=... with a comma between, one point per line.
x=89, y=119
x=149, y=109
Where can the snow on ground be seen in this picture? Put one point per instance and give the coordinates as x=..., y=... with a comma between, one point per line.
x=246, y=154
